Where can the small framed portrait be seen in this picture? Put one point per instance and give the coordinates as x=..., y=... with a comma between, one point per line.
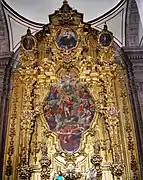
x=66, y=39
x=28, y=43
x=105, y=39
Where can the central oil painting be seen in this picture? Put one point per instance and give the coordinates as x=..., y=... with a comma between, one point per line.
x=69, y=109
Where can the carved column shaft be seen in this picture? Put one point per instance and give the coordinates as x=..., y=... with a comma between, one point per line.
x=45, y=162
x=110, y=110
x=133, y=60
x=27, y=118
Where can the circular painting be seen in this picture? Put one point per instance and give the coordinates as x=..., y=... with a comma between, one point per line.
x=28, y=43
x=69, y=109
x=105, y=39
x=66, y=39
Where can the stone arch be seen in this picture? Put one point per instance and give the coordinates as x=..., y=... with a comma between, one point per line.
x=6, y=61
x=4, y=36
x=132, y=24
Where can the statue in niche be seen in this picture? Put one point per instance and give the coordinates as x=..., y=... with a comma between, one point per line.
x=91, y=174
x=23, y=157
x=44, y=149
x=96, y=147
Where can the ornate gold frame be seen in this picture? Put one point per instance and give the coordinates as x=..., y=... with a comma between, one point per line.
x=112, y=128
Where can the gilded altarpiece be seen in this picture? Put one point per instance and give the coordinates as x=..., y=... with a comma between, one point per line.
x=69, y=107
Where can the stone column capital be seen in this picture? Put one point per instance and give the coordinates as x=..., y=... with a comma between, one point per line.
x=6, y=58
x=134, y=53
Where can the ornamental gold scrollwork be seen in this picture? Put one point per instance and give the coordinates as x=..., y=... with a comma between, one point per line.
x=128, y=125
x=13, y=118
x=11, y=149
x=107, y=148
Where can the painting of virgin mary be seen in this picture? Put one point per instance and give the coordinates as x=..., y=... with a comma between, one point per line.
x=66, y=39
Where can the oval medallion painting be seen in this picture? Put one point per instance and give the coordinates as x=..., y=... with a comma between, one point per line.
x=105, y=39
x=69, y=109
x=28, y=43
x=66, y=39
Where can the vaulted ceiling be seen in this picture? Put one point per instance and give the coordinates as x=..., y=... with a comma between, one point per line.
x=39, y=10
x=21, y=14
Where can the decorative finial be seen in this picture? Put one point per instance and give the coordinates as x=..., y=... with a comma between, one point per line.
x=65, y=7
x=65, y=2
x=105, y=26
x=28, y=31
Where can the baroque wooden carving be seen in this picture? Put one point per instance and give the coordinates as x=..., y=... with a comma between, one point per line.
x=69, y=108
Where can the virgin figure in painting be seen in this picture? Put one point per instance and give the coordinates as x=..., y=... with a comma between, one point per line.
x=69, y=110
x=66, y=39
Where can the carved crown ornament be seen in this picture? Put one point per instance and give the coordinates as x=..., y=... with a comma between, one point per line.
x=66, y=107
